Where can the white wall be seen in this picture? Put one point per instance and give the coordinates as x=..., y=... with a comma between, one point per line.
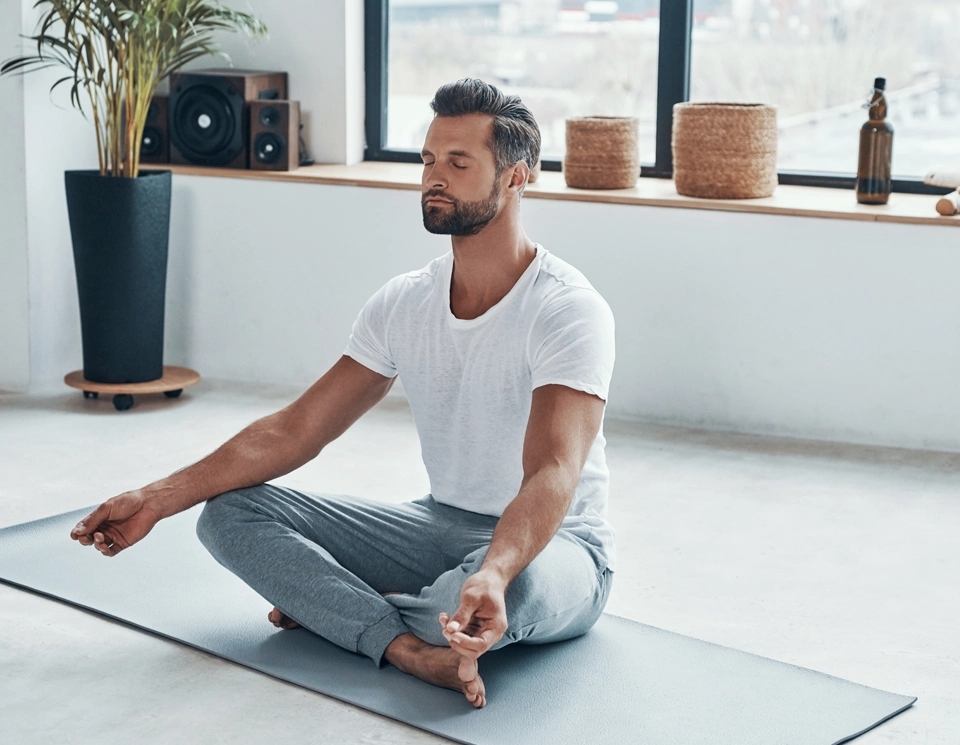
x=57, y=139
x=320, y=46
x=808, y=327
x=793, y=326
x=14, y=313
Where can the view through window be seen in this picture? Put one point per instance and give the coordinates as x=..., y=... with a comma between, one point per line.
x=817, y=59
x=564, y=58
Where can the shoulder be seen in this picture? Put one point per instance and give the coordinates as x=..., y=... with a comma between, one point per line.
x=410, y=284
x=556, y=272
x=572, y=340
x=566, y=295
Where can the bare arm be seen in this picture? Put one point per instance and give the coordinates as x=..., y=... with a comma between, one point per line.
x=278, y=443
x=267, y=449
x=562, y=427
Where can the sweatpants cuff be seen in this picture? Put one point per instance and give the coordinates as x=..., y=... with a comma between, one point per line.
x=374, y=641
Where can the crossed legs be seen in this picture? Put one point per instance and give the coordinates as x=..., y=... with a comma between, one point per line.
x=327, y=562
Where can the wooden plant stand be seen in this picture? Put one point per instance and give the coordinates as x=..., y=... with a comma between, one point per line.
x=171, y=385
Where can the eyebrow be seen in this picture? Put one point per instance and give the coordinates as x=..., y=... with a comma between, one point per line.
x=463, y=153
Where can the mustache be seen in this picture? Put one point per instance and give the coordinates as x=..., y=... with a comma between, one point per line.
x=431, y=195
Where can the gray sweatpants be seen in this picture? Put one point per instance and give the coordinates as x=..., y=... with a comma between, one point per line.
x=324, y=561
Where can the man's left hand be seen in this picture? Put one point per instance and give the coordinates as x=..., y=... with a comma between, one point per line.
x=481, y=619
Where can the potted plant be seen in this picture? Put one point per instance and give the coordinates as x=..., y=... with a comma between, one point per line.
x=118, y=52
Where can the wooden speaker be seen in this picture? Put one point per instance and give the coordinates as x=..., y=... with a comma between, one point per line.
x=274, y=135
x=155, y=145
x=209, y=114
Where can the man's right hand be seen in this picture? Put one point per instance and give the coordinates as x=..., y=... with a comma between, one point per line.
x=117, y=524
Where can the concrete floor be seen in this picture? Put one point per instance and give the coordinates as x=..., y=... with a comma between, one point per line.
x=838, y=558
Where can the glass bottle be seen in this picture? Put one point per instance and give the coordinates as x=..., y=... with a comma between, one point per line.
x=876, y=150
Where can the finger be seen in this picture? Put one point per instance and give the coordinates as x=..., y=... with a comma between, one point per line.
x=475, y=645
x=469, y=646
x=112, y=550
x=92, y=521
x=105, y=544
x=462, y=617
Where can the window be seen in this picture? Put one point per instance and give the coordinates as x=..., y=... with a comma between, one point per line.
x=815, y=59
x=564, y=58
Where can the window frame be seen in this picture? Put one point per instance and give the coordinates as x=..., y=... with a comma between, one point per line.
x=673, y=86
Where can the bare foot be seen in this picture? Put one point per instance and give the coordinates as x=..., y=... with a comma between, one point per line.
x=278, y=619
x=440, y=666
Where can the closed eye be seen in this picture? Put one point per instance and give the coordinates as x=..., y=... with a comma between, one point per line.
x=454, y=165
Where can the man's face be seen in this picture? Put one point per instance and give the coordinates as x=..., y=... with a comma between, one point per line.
x=460, y=191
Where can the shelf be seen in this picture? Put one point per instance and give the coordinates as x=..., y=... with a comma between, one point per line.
x=801, y=201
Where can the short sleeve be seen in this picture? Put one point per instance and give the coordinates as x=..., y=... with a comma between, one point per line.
x=369, y=343
x=572, y=342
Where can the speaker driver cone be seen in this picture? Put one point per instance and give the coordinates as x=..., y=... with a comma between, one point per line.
x=152, y=142
x=268, y=147
x=205, y=125
x=270, y=116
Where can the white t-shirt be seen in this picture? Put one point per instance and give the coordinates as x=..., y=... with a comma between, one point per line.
x=470, y=382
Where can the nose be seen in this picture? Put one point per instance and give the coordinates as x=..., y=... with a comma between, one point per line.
x=434, y=177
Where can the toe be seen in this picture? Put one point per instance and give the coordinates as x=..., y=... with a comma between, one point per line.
x=467, y=669
x=472, y=683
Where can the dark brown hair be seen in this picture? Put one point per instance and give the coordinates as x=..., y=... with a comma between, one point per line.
x=516, y=135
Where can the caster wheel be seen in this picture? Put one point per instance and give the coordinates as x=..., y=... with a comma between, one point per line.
x=122, y=401
x=90, y=394
x=173, y=394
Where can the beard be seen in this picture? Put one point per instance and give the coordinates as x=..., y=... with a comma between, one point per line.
x=461, y=218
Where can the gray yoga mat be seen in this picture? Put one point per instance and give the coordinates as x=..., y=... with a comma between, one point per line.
x=623, y=682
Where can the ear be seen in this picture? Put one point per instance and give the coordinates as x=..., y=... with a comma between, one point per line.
x=519, y=176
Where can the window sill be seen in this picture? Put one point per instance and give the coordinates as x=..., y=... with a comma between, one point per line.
x=802, y=201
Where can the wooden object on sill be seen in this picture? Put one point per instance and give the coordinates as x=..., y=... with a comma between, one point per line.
x=950, y=204
x=725, y=150
x=174, y=380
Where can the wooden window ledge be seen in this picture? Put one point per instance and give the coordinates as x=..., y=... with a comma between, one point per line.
x=804, y=201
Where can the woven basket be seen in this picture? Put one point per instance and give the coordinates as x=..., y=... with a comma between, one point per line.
x=725, y=150
x=602, y=152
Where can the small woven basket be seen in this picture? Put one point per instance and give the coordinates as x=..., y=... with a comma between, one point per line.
x=602, y=152
x=725, y=150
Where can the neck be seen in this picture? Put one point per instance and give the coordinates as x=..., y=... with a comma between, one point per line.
x=487, y=265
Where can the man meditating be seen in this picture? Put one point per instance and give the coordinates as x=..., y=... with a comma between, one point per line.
x=505, y=353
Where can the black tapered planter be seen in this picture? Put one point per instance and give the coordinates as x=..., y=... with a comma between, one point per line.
x=120, y=229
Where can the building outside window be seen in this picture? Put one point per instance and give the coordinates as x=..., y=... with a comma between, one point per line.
x=815, y=59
